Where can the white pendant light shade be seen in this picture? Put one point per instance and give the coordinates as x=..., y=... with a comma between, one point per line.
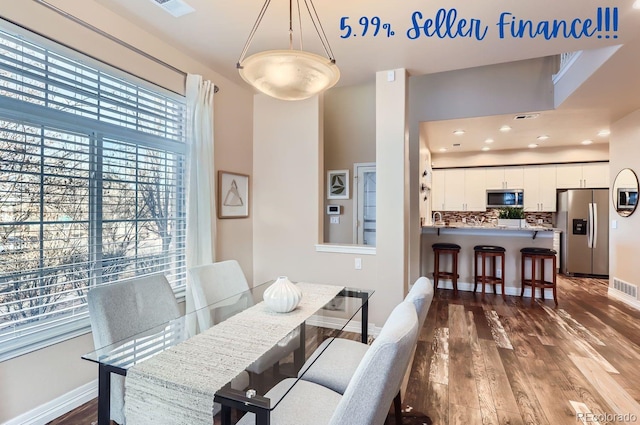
x=289, y=74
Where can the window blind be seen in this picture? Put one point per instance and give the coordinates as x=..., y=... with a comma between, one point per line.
x=91, y=188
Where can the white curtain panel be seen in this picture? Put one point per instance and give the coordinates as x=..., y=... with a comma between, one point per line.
x=201, y=222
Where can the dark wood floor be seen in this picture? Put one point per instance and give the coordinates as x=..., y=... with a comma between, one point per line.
x=514, y=362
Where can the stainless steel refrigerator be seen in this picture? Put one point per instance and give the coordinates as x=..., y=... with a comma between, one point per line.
x=583, y=217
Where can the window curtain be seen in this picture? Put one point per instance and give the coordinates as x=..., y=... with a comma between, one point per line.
x=201, y=223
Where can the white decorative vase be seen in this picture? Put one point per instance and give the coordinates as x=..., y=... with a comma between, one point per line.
x=282, y=296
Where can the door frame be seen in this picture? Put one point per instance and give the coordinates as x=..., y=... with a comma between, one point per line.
x=358, y=168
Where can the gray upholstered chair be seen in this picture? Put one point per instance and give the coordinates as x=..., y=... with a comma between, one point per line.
x=341, y=357
x=223, y=283
x=120, y=310
x=368, y=396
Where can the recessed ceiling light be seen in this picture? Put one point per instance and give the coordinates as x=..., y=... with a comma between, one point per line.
x=543, y=137
x=486, y=148
x=604, y=133
x=489, y=141
x=586, y=142
x=458, y=132
x=443, y=149
x=505, y=128
x=533, y=145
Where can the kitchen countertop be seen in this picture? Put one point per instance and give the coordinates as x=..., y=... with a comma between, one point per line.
x=467, y=226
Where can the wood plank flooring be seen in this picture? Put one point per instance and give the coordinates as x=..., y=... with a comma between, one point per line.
x=511, y=362
x=524, y=363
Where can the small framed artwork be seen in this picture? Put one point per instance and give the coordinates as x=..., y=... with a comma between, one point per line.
x=338, y=184
x=233, y=195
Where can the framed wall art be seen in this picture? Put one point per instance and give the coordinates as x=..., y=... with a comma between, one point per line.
x=233, y=195
x=338, y=184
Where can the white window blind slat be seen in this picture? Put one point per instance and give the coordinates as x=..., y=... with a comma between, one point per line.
x=81, y=204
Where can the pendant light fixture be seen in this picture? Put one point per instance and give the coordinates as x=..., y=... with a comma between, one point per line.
x=290, y=74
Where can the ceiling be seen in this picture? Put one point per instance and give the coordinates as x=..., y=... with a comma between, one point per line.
x=216, y=33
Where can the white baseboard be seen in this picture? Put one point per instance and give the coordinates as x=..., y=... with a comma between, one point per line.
x=621, y=296
x=509, y=290
x=57, y=407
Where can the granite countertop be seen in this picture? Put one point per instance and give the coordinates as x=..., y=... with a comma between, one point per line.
x=486, y=226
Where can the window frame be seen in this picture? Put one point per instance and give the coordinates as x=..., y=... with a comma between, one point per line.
x=43, y=116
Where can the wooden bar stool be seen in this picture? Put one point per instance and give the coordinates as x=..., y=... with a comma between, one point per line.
x=484, y=252
x=443, y=249
x=539, y=255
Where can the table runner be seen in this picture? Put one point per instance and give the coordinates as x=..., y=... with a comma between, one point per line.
x=178, y=385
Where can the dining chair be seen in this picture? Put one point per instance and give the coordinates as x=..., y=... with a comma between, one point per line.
x=341, y=357
x=120, y=310
x=224, y=284
x=368, y=395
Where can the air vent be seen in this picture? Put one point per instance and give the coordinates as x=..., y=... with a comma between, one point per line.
x=625, y=287
x=526, y=116
x=176, y=8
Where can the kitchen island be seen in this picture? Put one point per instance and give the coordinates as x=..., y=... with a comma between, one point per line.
x=467, y=236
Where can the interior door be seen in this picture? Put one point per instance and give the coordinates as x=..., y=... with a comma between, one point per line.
x=366, y=204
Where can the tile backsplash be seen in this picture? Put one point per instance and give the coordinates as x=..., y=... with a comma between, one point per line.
x=491, y=216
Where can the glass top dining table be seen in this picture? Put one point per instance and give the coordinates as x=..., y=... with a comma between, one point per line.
x=345, y=315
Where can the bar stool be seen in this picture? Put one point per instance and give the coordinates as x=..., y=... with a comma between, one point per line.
x=484, y=252
x=443, y=249
x=540, y=255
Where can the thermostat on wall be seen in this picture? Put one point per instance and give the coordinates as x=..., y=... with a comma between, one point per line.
x=333, y=209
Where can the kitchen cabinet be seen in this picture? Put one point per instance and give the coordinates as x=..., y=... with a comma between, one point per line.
x=459, y=190
x=504, y=177
x=577, y=176
x=437, y=190
x=540, y=188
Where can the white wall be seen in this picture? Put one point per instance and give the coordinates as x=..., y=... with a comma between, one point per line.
x=289, y=193
x=28, y=381
x=349, y=137
x=595, y=152
x=624, y=247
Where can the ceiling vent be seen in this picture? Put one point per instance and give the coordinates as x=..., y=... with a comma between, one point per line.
x=526, y=116
x=175, y=8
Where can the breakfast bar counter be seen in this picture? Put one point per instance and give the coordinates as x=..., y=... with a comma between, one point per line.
x=467, y=236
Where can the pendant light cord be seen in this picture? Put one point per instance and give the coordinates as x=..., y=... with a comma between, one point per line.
x=321, y=34
x=315, y=19
x=253, y=32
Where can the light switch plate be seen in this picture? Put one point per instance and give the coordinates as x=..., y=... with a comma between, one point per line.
x=335, y=219
x=358, y=263
x=614, y=224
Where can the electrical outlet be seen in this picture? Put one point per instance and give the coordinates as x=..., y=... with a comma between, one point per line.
x=335, y=219
x=464, y=220
x=499, y=273
x=539, y=221
x=358, y=263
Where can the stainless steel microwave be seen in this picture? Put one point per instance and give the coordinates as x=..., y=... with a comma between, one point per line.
x=505, y=198
x=627, y=198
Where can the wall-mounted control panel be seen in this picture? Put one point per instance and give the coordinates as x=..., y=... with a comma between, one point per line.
x=333, y=209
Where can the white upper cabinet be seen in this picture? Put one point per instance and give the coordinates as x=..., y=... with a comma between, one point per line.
x=458, y=190
x=475, y=193
x=596, y=175
x=437, y=190
x=577, y=176
x=540, y=188
x=504, y=177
